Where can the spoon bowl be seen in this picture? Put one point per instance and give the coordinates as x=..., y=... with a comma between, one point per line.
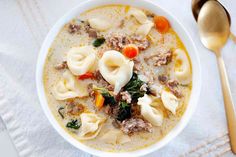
x=197, y=5
x=214, y=32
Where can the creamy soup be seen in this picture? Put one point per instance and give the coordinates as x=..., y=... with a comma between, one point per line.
x=117, y=78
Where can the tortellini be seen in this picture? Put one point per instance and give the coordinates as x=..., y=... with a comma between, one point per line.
x=91, y=125
x=116, y=69
x=169, y=101
x=69, y=87
x=182, y=68
x=140, y=16
x=99, y=24
x=115, y=136
x=145, y=28
x=151, y=114
x=81, y=59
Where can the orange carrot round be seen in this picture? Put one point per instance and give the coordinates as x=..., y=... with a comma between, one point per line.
x=130, y=51
x=162, y=24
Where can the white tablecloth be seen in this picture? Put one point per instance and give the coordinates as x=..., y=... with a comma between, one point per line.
x=25, y=23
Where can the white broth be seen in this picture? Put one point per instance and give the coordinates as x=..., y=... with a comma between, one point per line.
x=115, y=81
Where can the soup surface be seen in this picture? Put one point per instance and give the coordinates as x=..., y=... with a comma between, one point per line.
x=117, y=78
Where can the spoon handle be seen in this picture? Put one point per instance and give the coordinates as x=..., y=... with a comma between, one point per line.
x=232, y=37
x=228, y=102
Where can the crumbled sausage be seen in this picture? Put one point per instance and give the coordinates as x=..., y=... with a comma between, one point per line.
x=100, y=79
x=74, y=28
x=160, y=59
x=140, y=42
x=74, y=108
x=122, y=23
x=135, y=111
x=110, y=87
x=126, y=96
x=162, y=79
x=137, y=65
x=117, y=41
x=90, y=89
x=116, y=124
x=92, y=33
x=144, y=87
x=173, y=86
x=61, y=66
x=132, y=125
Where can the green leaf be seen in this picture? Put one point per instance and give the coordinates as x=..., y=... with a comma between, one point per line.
x=124, y=111
x=98, y=42
x=133, y=87
x=73, y=124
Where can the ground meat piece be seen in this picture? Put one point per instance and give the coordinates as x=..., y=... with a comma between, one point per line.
x=90, y=90
x=140, y=42
x=173, y=86
x=135, y=111
x=117, y=41
x=162, y=58
x=61, y=66
x=144, y=87
x=74, y=109
x=132, y=125
x=74, y=28
x=107, y=109
x=116, y=124
x=114, y=110
x=122, y=23
x=126, y=96
x=92, y=33
x=110, y=87
x=151, y=15
x=162, y=79
x=100, y=79
x=137, y=65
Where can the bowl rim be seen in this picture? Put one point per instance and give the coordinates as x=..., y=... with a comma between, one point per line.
x=185, y=38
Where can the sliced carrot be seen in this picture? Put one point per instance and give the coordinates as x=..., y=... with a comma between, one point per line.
x=130, y=51
x=99, y=100
x=162, y=24
x=87, y=75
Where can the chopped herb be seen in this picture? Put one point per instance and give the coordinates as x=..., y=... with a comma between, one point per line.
x=133, y=87
x=109, y=99
x=124, y=111
x=98, y=42
x=73, y=124
x=60, y=112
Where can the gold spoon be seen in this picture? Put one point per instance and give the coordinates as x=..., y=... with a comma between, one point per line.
x=214, y=30
x=196, y=7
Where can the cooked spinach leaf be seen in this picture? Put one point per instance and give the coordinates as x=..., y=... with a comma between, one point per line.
x=133, y=87
x=98, y=42
x=60, y=112
x=73, y=124
x=124, y=111
x=109, y=99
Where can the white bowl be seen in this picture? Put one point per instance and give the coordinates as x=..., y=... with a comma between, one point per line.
x=180, y=30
